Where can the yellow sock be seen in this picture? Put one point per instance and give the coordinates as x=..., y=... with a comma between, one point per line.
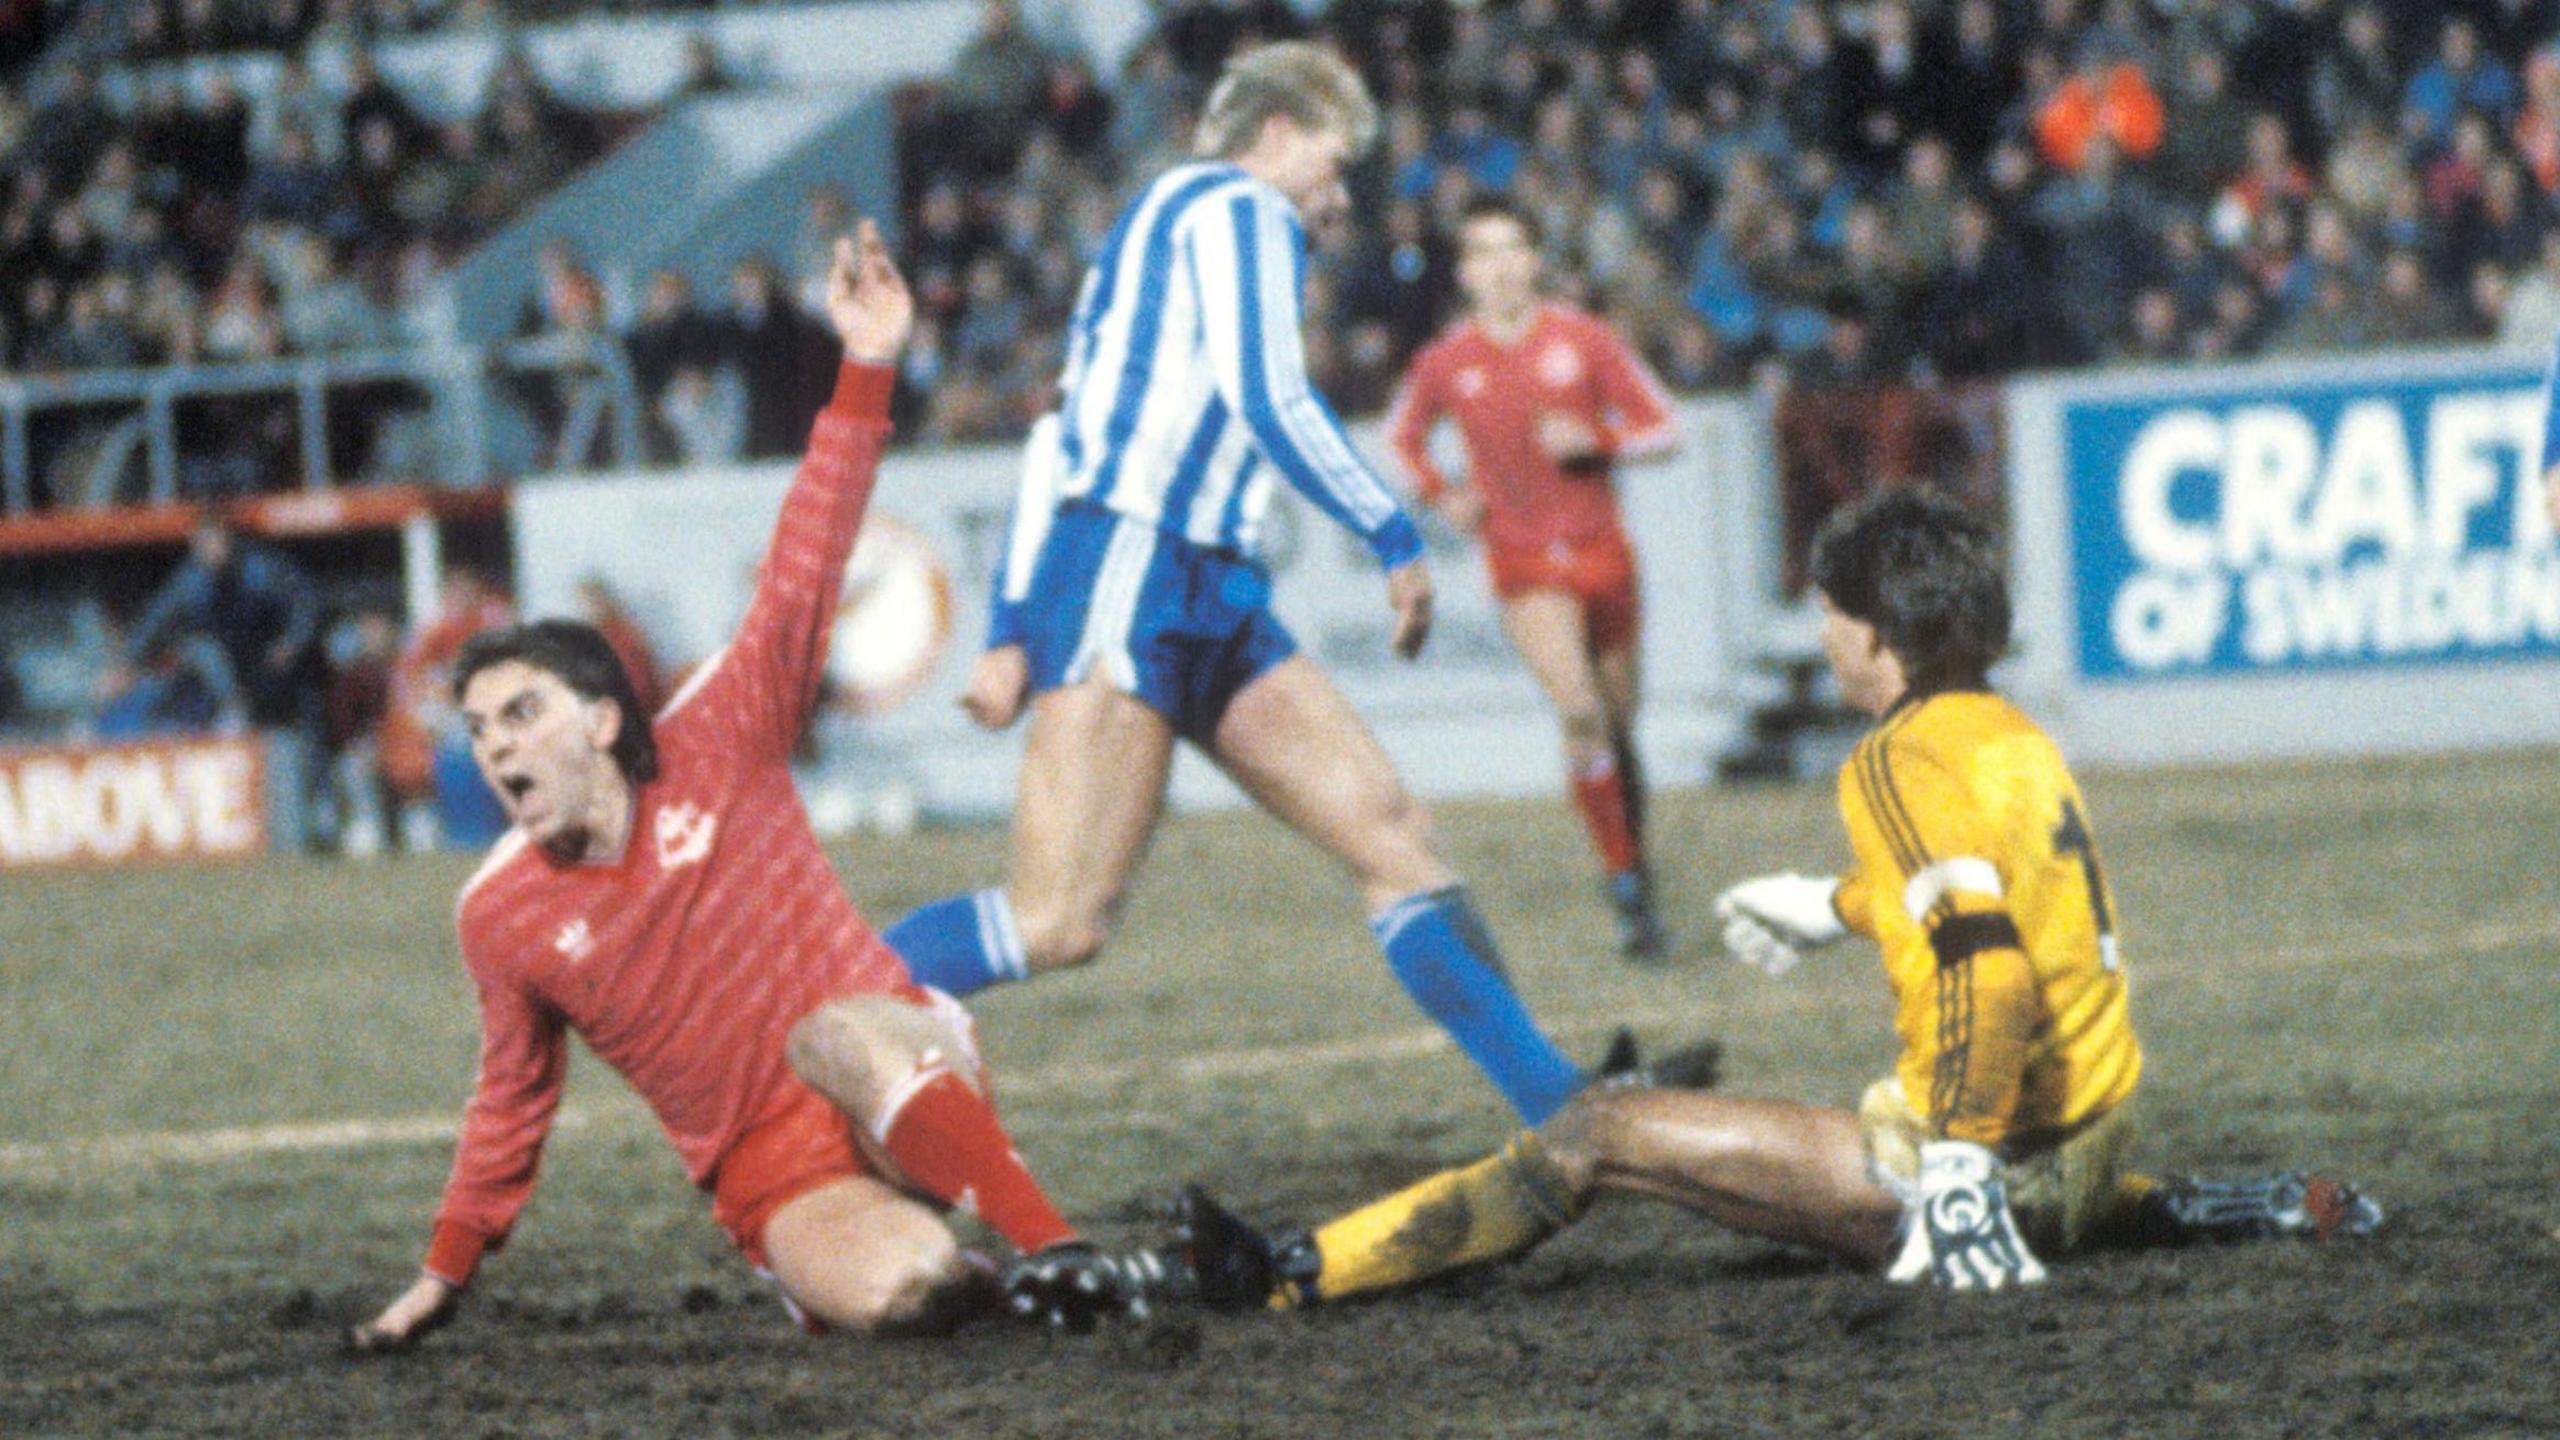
x=1491, y=1210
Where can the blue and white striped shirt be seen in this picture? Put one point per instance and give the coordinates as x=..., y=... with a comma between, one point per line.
x=1186, y=379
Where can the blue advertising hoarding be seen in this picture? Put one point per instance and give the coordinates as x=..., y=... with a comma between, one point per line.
x=2315, y=524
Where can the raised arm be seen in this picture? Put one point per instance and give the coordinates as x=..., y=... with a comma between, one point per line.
x=1245, y=259
x=767, y=678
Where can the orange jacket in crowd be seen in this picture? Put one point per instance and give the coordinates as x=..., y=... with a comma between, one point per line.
x=2118, y=103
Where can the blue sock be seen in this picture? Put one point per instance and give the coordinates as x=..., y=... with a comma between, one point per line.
x=1446, y=961
x=961, y=945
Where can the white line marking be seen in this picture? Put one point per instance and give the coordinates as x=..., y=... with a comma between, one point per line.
x=200, y=1147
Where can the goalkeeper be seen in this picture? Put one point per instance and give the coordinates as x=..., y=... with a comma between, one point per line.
x=2001, y=1134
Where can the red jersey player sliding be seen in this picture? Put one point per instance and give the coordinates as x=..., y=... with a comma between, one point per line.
x=1548, y=401
x=661, y=894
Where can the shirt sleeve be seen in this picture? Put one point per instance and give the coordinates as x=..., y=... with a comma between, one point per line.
x=767, y=678
x=1639, y=425
x=1035, y=504
x=524, y=1059
x=1245, y=258
x=1410, y=418
x=1965, y=1001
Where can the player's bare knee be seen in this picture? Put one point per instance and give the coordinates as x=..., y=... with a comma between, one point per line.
x=1586, y=727
x=1573, y=1139
x=857, y=1050
x=903, y=1296
x=825, y=1048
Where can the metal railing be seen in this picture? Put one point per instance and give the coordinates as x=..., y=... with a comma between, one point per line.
x=459, y=382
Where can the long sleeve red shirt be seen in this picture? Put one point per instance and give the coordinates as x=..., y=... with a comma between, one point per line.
x=1566, y=362
x=684, y=964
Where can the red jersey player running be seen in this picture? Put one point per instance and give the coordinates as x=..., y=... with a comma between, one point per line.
x=661, y=894
x=1549, y=400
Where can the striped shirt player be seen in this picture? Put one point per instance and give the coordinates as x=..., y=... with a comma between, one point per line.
x=1186, y=402
x=1549, y=402
x=663, y=897
x=1133, y=606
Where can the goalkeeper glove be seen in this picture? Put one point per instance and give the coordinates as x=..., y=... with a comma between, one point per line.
x=1770, y=922
x=1959, y=1233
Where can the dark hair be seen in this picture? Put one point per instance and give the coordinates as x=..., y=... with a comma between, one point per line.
x=1926, y=573
x=1487, y=205
x=579, y=657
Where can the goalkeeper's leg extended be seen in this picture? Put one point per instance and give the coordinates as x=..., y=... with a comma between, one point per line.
x=1775, y=1169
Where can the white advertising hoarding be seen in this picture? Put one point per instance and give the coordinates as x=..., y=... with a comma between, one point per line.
x=681, y=551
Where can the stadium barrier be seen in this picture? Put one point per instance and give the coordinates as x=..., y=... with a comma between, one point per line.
x=460, y=382
x=1466, y=720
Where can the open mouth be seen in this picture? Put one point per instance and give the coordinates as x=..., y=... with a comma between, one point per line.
x=516, y=786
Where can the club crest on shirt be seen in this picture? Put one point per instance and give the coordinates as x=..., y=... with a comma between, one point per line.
x=576, y=940
x=684, y=834
x=1559, y=365
x=1470, y=382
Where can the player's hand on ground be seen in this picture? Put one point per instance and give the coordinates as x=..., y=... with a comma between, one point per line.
x=998, y=683
x=1075, y=1286
x=1461, y=509
x=424, y=1307
x=1771, y=921
x=867, y=298
x=1960, y=1234
x=1409, y=594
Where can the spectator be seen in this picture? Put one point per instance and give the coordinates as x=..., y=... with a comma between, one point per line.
x=263, y=615
x=783, y=359
x=1921, y=215
x=2356, y=82
x=2155, y=333
x=1979, y=307
x=2460, y=80
x=2408, y=309
x=2099, y=100
x=673, y=335
x=2206, y=142
x=995, y=86
x=2272, y=178
x=1972, y=80
x=359, y=696
x=2532, y=313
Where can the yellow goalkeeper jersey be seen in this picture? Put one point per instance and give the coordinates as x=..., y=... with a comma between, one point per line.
x=1977, y=876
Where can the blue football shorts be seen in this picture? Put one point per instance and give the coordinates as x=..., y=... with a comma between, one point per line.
x=1182, y=627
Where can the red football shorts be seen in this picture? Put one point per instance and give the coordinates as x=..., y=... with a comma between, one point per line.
x=1599, y=571
x=802, y=1141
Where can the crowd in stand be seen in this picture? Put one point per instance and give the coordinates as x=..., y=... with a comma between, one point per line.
x=1842, y=192
x=199, y=224
x=1846, y=193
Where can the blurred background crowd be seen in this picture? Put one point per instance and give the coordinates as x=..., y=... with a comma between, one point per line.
x=1876, y=197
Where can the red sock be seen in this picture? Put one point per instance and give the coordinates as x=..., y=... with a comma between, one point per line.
x=946, y=1137
x=1603, y=801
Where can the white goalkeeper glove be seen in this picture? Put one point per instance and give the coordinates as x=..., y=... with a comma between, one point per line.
x=1770, y=922
x=1961, y=1234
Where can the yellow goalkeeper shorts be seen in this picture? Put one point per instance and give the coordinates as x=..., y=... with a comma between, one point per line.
x=2060, y=1192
